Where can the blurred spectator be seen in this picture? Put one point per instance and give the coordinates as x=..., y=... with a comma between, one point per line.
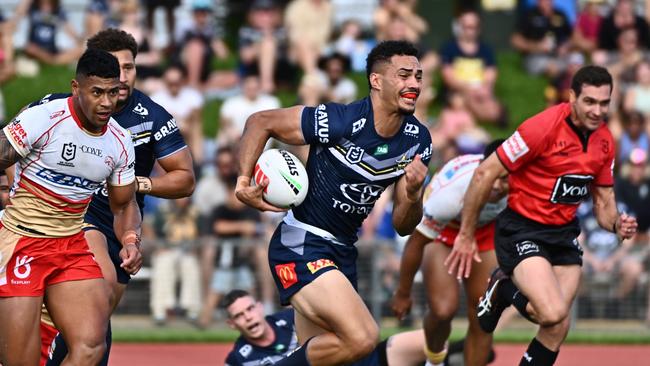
x=46, y=17
x=149, y=56
x=469, y=69
x=634, y=135
x=633, y=187
x=622, y=17
x=637, y=96
x=185, y=104
x=559, y=89
x=309, y=26
x=102, y=14
x=236, y=226
x=454, y=120
x=543, y=34
x=6, y=60
x=329, y=83
x=605, y=261
x=404, y=10
x=236, y=110
x=199, y=41
x=211, y=191
x=351, y=44
x=175, y=260
x=169, y=6
x=587, y=28
x=263, y=45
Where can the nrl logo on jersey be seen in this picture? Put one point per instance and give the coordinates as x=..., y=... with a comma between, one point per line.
x=139, y=109
x=354, y=154
x=68, y=154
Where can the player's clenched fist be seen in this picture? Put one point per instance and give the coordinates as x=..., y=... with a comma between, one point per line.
x=415, y=173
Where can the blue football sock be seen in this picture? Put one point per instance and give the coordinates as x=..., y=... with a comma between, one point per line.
x=297, y=357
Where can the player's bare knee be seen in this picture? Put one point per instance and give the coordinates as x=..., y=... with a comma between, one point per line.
x=363, y=341
x=552, y=313
x=444, y=309
x=86, y=353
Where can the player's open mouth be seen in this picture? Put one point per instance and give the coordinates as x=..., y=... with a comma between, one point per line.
x=253, y=327
x=410, y=96
x=103, y=115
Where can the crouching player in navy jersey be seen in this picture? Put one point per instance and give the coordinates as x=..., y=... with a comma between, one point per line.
x=264, y=340
x=356, y=151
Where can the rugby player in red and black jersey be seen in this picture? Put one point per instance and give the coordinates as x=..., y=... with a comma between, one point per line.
x=556, y=159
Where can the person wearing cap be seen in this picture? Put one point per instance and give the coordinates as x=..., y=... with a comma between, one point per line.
x=199, y=41
x=263, y=45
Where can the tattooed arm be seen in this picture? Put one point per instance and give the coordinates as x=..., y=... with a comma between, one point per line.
x=8, y=154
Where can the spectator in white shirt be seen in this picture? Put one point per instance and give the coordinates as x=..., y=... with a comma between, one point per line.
x=236, y=109
x=185, y=104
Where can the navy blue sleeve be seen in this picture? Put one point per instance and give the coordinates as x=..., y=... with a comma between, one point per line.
x=324, y=124
x=167, y=137
x=48, y=98
x=426, y=147
x=232, y=359
x=447, y=53
x=287, y=315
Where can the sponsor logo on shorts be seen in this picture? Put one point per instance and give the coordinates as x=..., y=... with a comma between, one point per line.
x=287, y=274
x=22, y=269
x=527, y=247
x=319, y=264
x=515, y=147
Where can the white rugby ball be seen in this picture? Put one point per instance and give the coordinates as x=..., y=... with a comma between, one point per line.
x=288, y=182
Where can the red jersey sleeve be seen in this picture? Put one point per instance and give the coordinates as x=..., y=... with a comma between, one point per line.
x=526, y=143
x=605, y=177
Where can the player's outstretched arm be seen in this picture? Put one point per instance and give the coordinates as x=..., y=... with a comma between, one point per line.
x=127, y=225
x=459, y=260
x=407, y=206
x=178, y=180
x=282, y=124
x=606, y=212
x=409, y=265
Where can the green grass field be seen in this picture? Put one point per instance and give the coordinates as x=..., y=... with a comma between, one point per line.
x=175, y=335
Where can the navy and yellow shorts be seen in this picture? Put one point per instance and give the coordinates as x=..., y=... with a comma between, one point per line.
x=297, y=257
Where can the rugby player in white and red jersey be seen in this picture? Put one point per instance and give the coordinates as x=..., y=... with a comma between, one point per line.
x=64, y=150
x=431, y=243
x=556, y=159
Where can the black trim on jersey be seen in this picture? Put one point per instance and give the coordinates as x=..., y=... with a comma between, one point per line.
x=604, y=185
x=29, y=230
x=501, y=161
x=584, y=137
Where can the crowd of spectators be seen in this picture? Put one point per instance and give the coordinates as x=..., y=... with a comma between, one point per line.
x=211, y=243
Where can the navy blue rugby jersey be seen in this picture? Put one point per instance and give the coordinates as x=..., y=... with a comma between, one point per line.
x=155, y=136
x=247, y=354
x=350, y=165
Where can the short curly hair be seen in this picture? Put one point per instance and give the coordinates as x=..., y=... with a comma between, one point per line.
x=113, y=40
x=383, y=52
x=98, y=63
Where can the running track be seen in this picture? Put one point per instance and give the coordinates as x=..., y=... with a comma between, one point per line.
x=162, y=354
